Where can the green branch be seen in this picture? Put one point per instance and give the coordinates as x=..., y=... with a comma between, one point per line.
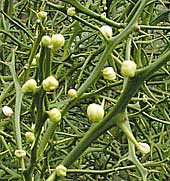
x=146, y=73
x=92, y=14
x=18, y=102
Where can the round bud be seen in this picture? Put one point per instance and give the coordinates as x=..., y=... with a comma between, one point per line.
x=144, y=148
x=29, y=86
x=128, y=68
x=71, y=11
x=57, y=41
x=50, y=83
x=42, y=15
x=20, y=153
x=72, y=93
x=95, y=112
x=105, y=8
x=109, y=73
x=38, y=21
x=106, y=31
x=46, y=41
x=61, y=171
x=7, y=111
x=54, y=115
x=29, y=137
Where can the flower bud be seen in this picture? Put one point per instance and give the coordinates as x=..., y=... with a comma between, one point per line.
x=20, y=153
x=95, y=112
x=71, y=11
x=105, y=8
x=54, y=115
x=128, y=68
x=42, y=15
x=7, y=111
x=106, y=31
x=29, y=86
x=109, y=73
x=57, y=41
x=72, y=93
x=29, y=137
x=61, y=171
x=144, y=148
x=46, y=41
x=50, y=83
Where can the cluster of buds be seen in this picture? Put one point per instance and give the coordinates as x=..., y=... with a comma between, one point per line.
x=48, y=84
x=55, y=42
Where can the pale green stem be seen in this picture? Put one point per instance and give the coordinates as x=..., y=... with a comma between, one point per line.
x=18, y=101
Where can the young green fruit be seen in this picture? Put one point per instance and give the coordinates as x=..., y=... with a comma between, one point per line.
x=128, y=68
x=20, y=153
x=109, y=73
x=50, y=83
x=57, y=41
x=7, y=111
x=30, y=137
x=46, y=41
x=61, y=171
x=29, y=86
x=106, y=31
x=95, y=112
x=72, y=93
x=71, y=11
x=54, y=115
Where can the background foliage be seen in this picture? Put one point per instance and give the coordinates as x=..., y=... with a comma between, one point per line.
x=106, y=158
